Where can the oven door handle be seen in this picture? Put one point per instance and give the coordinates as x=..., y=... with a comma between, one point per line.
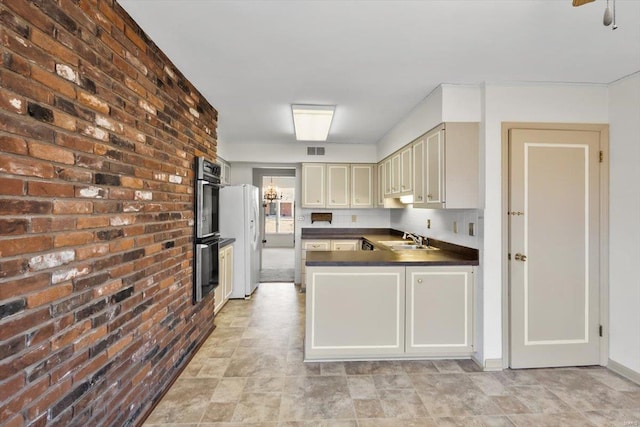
x=215, y=184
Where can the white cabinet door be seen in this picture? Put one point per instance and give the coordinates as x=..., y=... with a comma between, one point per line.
x=388, y=178
x=310, y=245
x=362, y=186
x=439, y=309
x=228, y=271
x=406, y=174
x=380, y=180
x=396, y=173
x=354, y=311
x=338, y=185
x=419, y=196
x=434, y=147
x=313, y=185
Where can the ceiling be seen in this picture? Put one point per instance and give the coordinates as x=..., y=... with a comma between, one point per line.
x=376, y=59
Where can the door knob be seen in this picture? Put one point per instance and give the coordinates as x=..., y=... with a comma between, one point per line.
x=520, y=257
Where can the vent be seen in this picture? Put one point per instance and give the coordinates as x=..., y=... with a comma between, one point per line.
x=315, y=151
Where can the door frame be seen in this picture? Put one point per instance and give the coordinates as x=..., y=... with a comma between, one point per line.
x=603, y=129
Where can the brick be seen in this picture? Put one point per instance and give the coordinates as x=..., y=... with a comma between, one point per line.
x=16, y=64
x=26, y=49
x=24, y=245
x=107, y=288
x=70, y=335
x=12, y=227
x=92, y=251
x=26, y=167
x=41, y=334
x=16, y=421
x=74, y=174
x=60, y=276
x=106, y=179
x=13, y=267
x=10, y=387
x=13, y=103
x=52, y=81
x=48, y=225
x=118, y=346
x=94, y=132
x=16, y=288
x=131, y=182
x=64, y=121
x=72, y=239
x=39, y=188
x=92, y=222
x=91, y=192
x=53, y=394
x=9, y=308
x=51, y=260
x=93, y=102
x=74, y=109
x=48, y=295
x=72, y=207
x=11, y=144
x=74, y=142
x=54, y=48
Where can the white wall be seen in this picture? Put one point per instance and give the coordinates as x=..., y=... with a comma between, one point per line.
x=519, y=103
x=624, y=240
x=297, y=153
x=424, y=116
x=414, y=221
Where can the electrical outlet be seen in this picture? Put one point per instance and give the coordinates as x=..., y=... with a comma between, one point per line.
x=428, y=223
x=472, y=229
x=354, y=218
x=455, y=227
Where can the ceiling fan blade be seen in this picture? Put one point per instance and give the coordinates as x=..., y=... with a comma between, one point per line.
x=577, y=3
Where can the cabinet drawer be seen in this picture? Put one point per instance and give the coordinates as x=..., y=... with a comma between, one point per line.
x=345, y=245
x=316, y=245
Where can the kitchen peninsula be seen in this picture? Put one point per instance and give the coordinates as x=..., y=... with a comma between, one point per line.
x=398, y=300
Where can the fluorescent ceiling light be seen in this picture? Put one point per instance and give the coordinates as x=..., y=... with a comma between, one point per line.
x=312, y=122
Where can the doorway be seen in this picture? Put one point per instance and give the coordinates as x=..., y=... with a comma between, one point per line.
x=554, y=247
x=277, y=218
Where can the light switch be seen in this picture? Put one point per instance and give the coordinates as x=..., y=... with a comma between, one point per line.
x=428, y=223
x=354, y=218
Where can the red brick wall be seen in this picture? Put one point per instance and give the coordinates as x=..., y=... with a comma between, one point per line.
x=98, y=132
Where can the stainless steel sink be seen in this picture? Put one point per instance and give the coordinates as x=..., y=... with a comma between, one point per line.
x=411, y=247
x=403, y=245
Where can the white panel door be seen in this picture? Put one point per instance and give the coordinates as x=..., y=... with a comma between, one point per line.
x=554, y=202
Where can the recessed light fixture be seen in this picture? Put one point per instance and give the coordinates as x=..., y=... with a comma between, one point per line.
x=312, y=122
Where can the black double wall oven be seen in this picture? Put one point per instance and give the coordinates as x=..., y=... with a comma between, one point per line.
x=207, y=232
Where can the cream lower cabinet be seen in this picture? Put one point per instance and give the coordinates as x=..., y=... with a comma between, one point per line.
x=388, y=312
x=353, y=311
x=439, y=309
x=225, y=277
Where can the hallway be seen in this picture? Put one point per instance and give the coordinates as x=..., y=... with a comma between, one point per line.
x=250, y=372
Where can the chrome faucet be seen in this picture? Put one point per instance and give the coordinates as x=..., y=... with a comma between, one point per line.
x=416, y=239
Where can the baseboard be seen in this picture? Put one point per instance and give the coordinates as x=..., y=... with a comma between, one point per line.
x=489, y=364
x=619, y=369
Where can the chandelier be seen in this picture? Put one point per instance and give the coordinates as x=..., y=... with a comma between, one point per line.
x=271, y=193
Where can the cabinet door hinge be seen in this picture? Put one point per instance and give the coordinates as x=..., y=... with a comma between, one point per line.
x=601, y=156
x=600, y=330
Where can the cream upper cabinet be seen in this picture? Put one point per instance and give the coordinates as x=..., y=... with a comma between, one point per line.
x=406, y=174
x=362, y=184
x=338, y=185
x=419, y=195
x=313, y=185
x=396, y=173
x=380, y=180
x=451, y=161
x=439, y=311
x=387, y=178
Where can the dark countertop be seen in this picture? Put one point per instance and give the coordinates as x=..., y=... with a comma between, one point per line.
x=225, y=241
x=448, y=253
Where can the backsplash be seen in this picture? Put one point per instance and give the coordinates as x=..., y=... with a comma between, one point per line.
x=342, y=218
x=415, y=221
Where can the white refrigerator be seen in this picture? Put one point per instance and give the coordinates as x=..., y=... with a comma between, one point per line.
x=239, y=216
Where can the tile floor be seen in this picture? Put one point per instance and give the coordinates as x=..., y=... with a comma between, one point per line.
x=250, y=373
